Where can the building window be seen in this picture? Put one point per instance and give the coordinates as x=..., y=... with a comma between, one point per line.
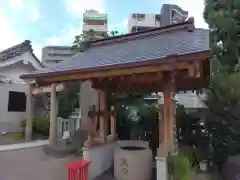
x=16, y=101
x=138, y=17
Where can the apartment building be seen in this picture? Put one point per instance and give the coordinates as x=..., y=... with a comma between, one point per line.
x=139, y=22
x=93, y=20
x=169, y=14
x=55, y=54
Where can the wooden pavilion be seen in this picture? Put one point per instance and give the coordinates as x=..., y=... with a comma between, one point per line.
x=166, y=59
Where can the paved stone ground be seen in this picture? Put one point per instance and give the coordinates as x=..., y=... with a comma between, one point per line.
x=202, y=176
x=4, y=140
x=32, y=164
x=197, y=176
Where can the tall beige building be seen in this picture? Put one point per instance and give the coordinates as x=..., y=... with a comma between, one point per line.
x=96, y=21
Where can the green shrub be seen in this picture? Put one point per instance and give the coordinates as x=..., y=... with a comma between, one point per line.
x=190, y=153
x=179, y=167
x=17, y=137
x=41, y=124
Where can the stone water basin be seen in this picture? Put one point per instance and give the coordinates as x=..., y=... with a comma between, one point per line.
x=132, y=161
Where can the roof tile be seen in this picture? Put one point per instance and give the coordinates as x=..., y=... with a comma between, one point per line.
x=154, y=47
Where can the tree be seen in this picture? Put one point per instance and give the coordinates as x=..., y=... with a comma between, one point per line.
x=114, y=33
x=69, y=99
x=81, y=38
x=223, y=121
x=223, y=17
x=89, y=36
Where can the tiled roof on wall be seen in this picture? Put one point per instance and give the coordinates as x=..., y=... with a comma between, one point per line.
x=17, y=50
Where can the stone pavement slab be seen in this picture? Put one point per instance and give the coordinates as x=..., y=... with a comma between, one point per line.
x=32, y=164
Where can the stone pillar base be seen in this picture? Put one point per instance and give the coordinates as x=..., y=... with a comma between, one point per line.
x=112, y=138
x=161, y=167
x=162, y=150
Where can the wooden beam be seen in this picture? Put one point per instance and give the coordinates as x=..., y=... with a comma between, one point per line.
x=152, y=86
x=47, y=89
x=197, y=68
x=118, y=72
x=194, y=69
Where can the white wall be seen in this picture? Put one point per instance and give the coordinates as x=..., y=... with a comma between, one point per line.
x=101, y=158
x=12, y=69
x=188, y=99
x=10, y=121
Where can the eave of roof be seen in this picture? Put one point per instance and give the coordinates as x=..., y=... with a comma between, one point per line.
x=170, y=59
x=18, y=50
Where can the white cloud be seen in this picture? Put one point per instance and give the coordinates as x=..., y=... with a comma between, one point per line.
x=77, y=7
x=65, y=37
x=37, y=50
x=29, y=7
x=8, y=36
x=195, y=9
x=121, y=27
x=34, y=15
x=16, y=4
x=125, y=22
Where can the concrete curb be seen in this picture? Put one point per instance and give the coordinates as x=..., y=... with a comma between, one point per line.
x=24, y=145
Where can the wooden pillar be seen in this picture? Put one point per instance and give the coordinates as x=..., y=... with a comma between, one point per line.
x=53, y=116
x=28, y=128
x=160, y=125
x=113, y=123
x=102, y=108
x=175, y=141
x=167, y=119
x=169, y=115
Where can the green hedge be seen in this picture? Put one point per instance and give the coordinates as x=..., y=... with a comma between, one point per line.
x=41, y=124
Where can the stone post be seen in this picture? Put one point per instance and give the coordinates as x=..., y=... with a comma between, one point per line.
x=28, y=128
x=161, y=132
x=53, y=116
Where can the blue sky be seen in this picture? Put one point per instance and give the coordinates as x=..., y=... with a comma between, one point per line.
x=56, y=22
